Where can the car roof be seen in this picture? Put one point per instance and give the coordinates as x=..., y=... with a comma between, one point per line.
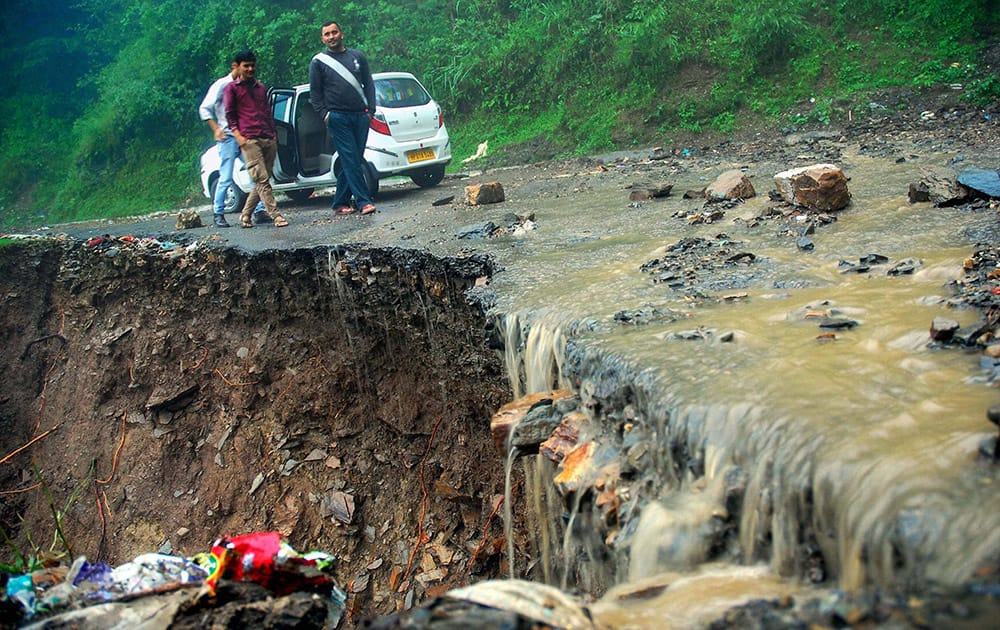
x=377, y=75
x=392, y=75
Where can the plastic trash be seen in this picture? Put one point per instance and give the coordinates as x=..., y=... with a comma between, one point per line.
x=21, y=589
x=151, y=570
x=266, y=559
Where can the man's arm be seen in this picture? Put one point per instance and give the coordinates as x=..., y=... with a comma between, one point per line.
x=229, y=101
x=207, y=110
x=369, y=84
x=316, y=88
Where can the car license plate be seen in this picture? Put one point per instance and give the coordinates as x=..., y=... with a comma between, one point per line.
x=420, y=155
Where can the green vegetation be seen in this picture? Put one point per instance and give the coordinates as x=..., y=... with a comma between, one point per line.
x=100, y=114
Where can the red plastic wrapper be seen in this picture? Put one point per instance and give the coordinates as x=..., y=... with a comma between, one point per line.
x=266, y=559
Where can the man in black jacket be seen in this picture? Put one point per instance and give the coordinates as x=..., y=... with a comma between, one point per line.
x=342, y=91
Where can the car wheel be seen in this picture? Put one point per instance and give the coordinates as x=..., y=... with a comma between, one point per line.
x=235, y=198
x=299, y=195
x=428, y=177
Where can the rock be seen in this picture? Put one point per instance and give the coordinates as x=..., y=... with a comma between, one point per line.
x=339, y=505
x=904, y=267
x=985, y=182
x=805, y=244
x=315, y=455
x=491, y=604
x=942, y=328
x=564, y=438
x=993, y=414
x=443, y=201
x=873, y=259
x=510, y=415
x=257, y=481
x=588, y=466
x=187, y=219
x=481, y=230
x=820, y=187
x=707, y=215
x=172, y=399
x=837, y=323
x=479, y=194
x=968, y=335
x=537, y=426
x=534, y=604
x=989, y=448
x=937, y=190
x=643, y=192
x=733, y=184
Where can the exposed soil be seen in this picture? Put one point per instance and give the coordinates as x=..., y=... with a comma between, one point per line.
x=341, y=397
x=216, y=393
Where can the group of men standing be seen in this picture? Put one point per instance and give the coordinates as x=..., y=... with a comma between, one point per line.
x=236, y=108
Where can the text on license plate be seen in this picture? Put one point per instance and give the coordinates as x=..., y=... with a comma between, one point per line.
x=419, y=155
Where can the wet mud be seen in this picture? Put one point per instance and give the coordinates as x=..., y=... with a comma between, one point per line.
x=338, y=396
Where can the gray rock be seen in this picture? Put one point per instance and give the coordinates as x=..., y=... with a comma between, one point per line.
x=983, y=181
x=537, y=426
x=482, y=230
x=942, y=328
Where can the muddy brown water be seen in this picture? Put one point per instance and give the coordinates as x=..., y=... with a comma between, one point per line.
x=865, y=447
x=862, y=448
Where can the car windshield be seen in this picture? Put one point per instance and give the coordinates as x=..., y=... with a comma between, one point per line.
x=400, y=92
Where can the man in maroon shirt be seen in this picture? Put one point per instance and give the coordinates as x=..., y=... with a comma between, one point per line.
x=249, y=115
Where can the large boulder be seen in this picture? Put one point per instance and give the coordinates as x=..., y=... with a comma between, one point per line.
x=820, y=187
x=936, y=189
x=981, y=181
x=479, y=194
x=733, y=184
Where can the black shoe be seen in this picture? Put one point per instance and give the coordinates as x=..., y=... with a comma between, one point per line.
x=220, y=221
x=261, y=216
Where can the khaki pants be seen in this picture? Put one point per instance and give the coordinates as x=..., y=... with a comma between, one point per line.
x=258, y=155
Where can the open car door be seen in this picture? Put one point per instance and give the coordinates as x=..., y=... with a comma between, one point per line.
x=315, y=150
x=287, y=163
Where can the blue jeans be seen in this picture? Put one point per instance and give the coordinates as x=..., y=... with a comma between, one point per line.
x=349, y=131
x=228, y=150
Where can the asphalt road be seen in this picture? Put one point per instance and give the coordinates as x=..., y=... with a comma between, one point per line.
x=311, y=223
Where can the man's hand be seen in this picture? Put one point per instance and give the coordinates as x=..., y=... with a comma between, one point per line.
x=220, y=135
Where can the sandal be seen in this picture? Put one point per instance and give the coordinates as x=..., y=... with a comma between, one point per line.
x=246, y=222
x=343, y=210
x=368, y=209
x=279, y=221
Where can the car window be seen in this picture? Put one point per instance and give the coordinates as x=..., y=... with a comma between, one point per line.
x=400, y=92
x=282, y=100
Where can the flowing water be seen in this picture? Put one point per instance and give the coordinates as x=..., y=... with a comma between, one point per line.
x=862, y=443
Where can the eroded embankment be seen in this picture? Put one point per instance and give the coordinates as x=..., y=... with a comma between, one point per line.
x=340, y=396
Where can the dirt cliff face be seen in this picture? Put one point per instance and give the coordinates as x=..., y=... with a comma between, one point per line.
x=339, y=395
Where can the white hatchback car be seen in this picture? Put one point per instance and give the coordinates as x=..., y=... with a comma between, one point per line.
x=407, y=138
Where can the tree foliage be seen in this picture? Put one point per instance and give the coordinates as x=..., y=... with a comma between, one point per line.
x=100, y=107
